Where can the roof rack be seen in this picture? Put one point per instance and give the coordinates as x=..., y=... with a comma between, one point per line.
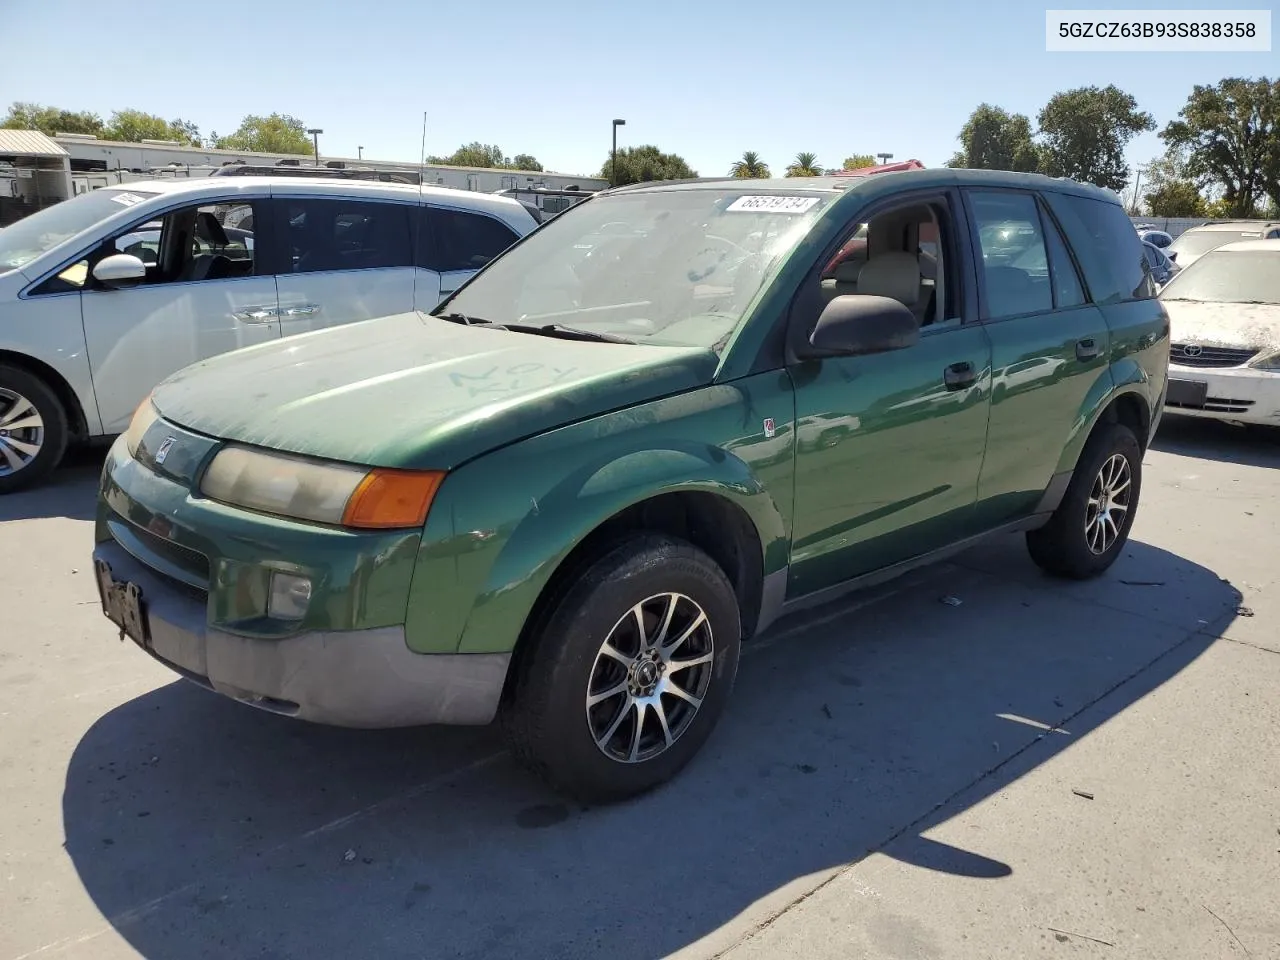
x=333, y=173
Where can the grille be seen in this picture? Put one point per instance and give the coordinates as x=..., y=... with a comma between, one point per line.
x=192, y=562
x=1202, y=356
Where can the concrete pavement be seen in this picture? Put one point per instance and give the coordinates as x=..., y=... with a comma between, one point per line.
x=1045, y=769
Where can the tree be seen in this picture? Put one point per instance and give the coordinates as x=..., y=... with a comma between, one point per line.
x=857, y=161
x=476, y=154
x=994, y=139
x=134, y=125
x=804, y=165
x=523, y=161
x=1176, y=198
x=278, y=133
x=750, y=167
x=645, y=163
x=1231, y=134
x=50, y=120
x=1084, y=133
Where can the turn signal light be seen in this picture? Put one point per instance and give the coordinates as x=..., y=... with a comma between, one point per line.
x=392, y=498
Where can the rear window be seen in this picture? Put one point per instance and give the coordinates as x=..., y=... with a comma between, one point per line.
x=1104, y=240
x=1199, y=242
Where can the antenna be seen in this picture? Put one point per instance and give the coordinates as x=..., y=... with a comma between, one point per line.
x=422, y=162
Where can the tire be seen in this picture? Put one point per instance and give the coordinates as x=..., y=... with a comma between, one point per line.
x=1068, y=545
x=546, y=719
x=28, y=401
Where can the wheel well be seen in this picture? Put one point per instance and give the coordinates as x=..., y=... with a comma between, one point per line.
x=1129, y=409
x=70, y=402
x=710, y=522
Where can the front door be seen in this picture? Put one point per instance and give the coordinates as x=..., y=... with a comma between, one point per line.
x=1049, y=348
x=889, y=447
x=204, y=295
x=344, y=260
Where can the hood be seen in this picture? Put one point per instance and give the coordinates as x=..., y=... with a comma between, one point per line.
x=415, y=391
x=1255, y=326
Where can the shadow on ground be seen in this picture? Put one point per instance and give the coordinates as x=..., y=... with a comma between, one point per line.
x=1216, y=440
x=200, y=827
x=71, y=491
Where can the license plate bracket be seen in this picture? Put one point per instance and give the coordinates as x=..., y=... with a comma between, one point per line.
x=1186, y=393
x=123, y=604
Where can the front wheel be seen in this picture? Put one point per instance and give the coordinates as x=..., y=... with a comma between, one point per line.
x=33, y=429
x=628, y=671
x=1091, y=526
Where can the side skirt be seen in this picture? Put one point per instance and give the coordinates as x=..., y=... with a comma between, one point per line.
x=774, y=607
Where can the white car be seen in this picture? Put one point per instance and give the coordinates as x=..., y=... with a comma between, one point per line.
x=105, y=295
x=1224, y=313
x=1193, y=244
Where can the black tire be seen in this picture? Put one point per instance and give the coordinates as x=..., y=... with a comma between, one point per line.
x=545, y=716
x=1062, y=547
x=53, y=438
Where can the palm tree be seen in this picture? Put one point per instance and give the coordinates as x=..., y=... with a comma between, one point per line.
x=750, y=167
x=804, y=165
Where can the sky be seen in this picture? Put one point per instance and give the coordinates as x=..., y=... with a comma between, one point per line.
x=706, y=80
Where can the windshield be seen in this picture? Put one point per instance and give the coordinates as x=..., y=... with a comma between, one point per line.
x=663, y=266
x=22, y=242
x=1200, y=242
x=1229, y=277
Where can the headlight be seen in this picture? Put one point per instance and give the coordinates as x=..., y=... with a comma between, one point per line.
x=322, y=492
x=1270, y=361
x=142, y=420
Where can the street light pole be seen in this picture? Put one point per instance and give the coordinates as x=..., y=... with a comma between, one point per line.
x=359, y=153
x=315, y=139
x=613, y=157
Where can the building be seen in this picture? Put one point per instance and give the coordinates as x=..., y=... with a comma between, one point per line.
x=34, y=173
x=88, y=154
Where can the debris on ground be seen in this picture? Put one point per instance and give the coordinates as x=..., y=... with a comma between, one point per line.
x=826, y=711
x=1057, y=702
x=1083, y=793
x=952, y=601
x=1244, y=612
x=1143, y=583
x=349, y=856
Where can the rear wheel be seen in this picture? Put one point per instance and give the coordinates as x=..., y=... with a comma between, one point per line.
x=1091, y=526
x=628, y=671
x=33, y=429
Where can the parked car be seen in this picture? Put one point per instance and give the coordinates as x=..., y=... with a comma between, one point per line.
x=1163, y=269
x=566, y=497
x=1225, y=315
x=1157, y=238
x=1198, y=241
x=103, y=296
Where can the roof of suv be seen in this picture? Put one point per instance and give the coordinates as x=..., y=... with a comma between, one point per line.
x=1250, y=246
x=326, y=186
x=909, y=179
x=1235, y=225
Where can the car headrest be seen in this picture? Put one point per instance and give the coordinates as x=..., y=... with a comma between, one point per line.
x=895, y=275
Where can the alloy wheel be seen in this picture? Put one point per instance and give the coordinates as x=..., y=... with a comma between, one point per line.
x=1108, y=504
x=650, y=677
x=21, y=432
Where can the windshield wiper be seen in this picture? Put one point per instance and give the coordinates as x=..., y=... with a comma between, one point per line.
x=566, y=333
x=463, y=319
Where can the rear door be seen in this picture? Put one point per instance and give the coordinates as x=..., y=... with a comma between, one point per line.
x=207, y=292
x=342, y=260
x=454, y=244
x=1048, y=347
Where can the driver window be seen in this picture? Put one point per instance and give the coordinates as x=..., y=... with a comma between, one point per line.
x=191, y=245
x=899, y=253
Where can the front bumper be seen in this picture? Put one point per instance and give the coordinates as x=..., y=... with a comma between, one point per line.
x=353, y=678
x=1238, y=393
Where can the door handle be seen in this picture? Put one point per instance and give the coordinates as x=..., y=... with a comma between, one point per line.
x=1087, y=349
x=958, y=376
x=303, y=310
x=257, y=314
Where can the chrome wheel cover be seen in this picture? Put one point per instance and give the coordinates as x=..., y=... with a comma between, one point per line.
x=21, y=432
x=650, y=677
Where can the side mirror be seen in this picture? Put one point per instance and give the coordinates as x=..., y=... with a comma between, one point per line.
x=1172, y=255
x=859, y=324
x=120, y=270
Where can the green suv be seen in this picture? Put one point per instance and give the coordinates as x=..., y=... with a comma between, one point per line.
x=675, y=412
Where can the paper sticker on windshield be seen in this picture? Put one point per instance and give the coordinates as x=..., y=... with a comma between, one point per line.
x=1246, y=233
x=128, y=199
x=773, y=204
